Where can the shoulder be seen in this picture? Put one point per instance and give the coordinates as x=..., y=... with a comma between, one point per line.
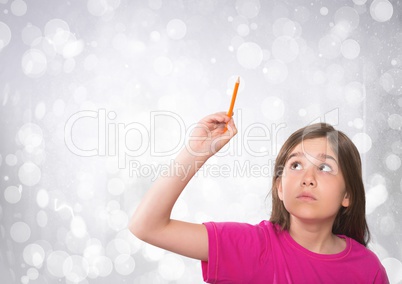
x=366, y=258
x=236, y=251
x=359, y=250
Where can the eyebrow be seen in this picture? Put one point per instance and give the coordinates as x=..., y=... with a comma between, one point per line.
x=321, y=156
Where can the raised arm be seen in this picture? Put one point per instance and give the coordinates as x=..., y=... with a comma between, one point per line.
x=151, y=222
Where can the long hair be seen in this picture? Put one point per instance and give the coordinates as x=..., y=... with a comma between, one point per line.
x=350, y=221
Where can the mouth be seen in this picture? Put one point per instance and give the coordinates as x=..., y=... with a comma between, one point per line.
x=306, y=197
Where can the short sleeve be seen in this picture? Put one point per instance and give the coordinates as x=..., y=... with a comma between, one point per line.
x=236, y=252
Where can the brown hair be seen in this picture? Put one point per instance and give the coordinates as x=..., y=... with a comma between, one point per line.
x=351, y=220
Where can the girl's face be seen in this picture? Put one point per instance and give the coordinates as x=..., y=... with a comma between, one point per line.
x=312, y=186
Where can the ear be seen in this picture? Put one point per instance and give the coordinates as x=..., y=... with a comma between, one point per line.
x=346, y=200
x=279, y=187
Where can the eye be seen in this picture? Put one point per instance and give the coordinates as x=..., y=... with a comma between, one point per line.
x=325, y=168
x=296, y=166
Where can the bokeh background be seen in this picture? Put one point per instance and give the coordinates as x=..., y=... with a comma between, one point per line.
x=96, y=98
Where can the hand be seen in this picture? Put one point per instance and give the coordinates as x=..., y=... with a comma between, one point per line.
x=210, y=134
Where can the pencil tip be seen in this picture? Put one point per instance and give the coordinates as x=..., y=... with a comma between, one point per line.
x=238, y=79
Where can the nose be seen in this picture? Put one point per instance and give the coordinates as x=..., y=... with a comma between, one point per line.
x=308, y=178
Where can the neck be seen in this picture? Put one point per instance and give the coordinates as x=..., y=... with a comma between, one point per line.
x=317, y=238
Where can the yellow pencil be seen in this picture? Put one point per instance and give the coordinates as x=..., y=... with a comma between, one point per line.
x=232, y=103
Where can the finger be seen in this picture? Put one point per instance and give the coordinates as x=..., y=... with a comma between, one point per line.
x=215, y=121
x=220, y=117
x=232, y=129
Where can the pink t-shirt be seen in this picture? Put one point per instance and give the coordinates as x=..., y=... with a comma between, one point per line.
x=244, y=253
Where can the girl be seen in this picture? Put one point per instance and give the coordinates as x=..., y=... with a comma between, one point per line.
x=317, y=232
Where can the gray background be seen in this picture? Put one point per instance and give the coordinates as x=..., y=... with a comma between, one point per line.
x=96, y=98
